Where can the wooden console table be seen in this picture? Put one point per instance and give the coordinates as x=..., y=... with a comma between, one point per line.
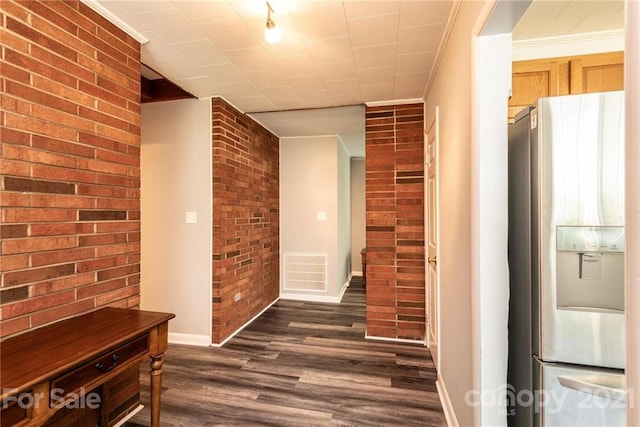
x=61, y=365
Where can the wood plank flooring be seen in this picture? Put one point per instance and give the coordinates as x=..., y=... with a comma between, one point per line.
x=299, y=364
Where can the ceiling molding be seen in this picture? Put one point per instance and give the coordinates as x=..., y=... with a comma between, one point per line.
x=394, y=102
x=566, y=45
x=567, y=39
x=109, y=16
x=453, y=14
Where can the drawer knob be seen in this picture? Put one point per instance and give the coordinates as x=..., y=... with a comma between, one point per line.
x=114, y=363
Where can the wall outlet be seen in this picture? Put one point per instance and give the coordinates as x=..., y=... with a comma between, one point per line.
x=321, y=216
x=237, y=297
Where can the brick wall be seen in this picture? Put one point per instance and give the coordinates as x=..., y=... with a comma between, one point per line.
x=70, y=164
x=395, y=221
x=245, y=219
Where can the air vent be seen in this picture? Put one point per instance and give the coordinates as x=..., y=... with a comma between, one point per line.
x=305, y=272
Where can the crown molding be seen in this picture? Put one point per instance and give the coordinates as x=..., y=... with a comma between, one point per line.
x=394, y=102
x=598, y=41
x=115, y=20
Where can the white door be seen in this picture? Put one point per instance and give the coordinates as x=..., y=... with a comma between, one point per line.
x=431, y=237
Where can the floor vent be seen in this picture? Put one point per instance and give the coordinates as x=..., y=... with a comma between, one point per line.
x=305, y=272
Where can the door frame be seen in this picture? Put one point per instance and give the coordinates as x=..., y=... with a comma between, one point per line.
x=433, y=343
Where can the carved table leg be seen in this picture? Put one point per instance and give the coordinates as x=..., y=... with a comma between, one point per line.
x=156, y=384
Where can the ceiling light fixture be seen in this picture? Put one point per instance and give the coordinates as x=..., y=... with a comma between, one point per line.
x=272, y=32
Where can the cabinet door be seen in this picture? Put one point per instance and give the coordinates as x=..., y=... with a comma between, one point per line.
x=597, y=73
x=537, y=78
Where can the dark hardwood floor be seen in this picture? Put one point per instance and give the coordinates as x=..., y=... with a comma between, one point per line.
x=299, y=364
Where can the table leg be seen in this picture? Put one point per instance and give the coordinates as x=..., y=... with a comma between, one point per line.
x=156, y=384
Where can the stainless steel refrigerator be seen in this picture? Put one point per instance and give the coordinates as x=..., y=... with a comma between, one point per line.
x=566, y=263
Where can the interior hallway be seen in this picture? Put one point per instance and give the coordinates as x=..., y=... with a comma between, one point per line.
x=300, y=363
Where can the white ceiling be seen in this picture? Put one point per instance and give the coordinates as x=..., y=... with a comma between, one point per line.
x=552, y=18
x=333, y=52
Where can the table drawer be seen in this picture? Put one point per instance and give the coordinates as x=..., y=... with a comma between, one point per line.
x=16, y=409
x=69, y=384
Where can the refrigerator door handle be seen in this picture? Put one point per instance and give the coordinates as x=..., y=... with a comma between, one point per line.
x=590, y=384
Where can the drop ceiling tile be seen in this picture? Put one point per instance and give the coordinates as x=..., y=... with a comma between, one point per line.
x=204, y=86
x=312, y=82
x=337, y=70
x=590, y=24
x=229, y=35
x=580, y=9
x=373, y=76
x=279, y=93
x=322, y=20
x=375, y=56
x=252, y=59
x=134, y=7
x=180, y=68
x=556, y=27
x=363, y=9
x=541, y=11
x=408, y=94
x=234, y=91
x=202, y=52
x=289, y=104
x=334, y=49
x=121, y=10
x=420, y=13
x=207, y=11
x=156, y=50
x=374, y=30
x=343, y=87
x=300, y=65
x=250, y=104
x=419, y=39
x=290, y=45
x=225, y=74
x=346, y=99
x=377, y=92
x=266, y=78
x=182, y=29
x=411, y=81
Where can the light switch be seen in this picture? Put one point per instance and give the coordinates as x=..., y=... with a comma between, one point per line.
x=321, y=216
x=191, y=217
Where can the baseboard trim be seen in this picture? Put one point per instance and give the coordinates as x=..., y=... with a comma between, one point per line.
x=311, y=298
x=447, y=407
x=398, y=340
x=189, y=339
x=243, y=326
x=356, y=273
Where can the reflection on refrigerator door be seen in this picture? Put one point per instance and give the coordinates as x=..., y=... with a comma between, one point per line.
x=582, y=397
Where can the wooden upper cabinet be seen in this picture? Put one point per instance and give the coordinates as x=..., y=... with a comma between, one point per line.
x=597, y=73
x=536, y=78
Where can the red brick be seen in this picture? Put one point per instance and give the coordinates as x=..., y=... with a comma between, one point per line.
x=14, y=326
x=60, y=312
x=56, y=116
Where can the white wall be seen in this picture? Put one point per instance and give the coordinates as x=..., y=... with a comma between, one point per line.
x=451, y=91
x=358, y=213
x=632, y=273
x=309, y=185
x=344, y=214
x=490, y=224
x=176, y=178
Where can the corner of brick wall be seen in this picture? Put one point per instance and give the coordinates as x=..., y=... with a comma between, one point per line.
x=394, y=187
x=70, y=164
x=245, y=219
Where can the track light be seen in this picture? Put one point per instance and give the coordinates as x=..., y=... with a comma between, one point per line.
x=272, y=32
